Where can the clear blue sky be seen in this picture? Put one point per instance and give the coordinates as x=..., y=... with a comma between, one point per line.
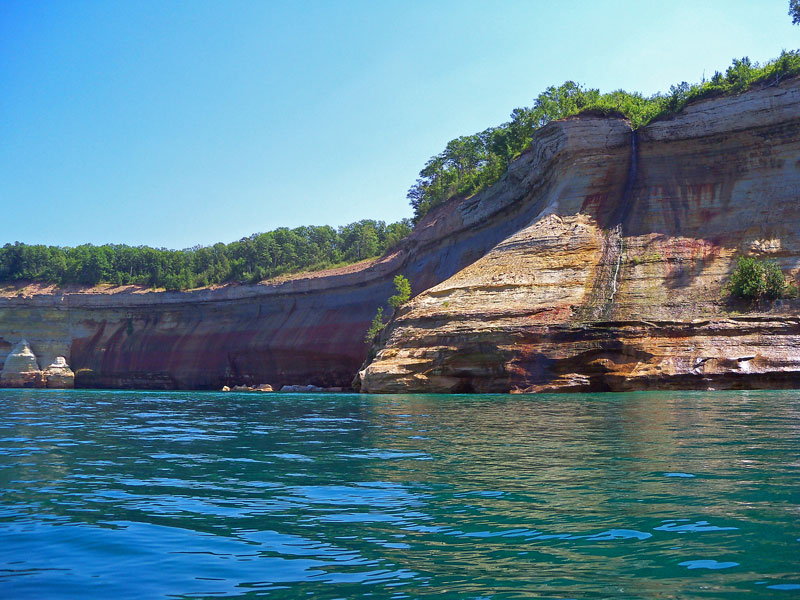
x=181, y=123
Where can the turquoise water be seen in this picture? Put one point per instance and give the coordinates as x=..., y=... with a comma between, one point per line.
x=189, y=495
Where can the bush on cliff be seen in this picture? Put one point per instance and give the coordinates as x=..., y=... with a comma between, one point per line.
x=753, y=279
x=376, y=326
x=471, y=163
x=403, y=288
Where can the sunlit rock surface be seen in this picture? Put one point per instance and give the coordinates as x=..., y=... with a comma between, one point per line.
x=59, y=375
x=21, y=369
x=597, y=262
x=616, y=290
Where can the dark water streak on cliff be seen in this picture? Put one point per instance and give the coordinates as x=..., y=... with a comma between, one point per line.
x=604, y=286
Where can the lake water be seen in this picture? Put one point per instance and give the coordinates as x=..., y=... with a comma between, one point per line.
x=189, y=495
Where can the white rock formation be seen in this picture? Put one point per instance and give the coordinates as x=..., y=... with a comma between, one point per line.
x=59, y=375
x=21, y=368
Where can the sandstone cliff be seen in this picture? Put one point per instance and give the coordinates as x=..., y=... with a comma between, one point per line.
x=622, y=288
x=307, y=330
x=596, y=262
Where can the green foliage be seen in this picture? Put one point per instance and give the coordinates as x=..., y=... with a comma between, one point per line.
x=259, y=256
x=794, y=11
x=471, y=163
x=403, y=288
x=753, y=279
x=774, y=282
x=376, y=326
x=747, y=280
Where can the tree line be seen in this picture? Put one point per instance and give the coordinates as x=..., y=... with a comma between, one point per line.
x=467, y=165
x=471, y=163
x=254, y=258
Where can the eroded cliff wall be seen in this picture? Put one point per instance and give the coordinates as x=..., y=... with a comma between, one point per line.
x=619, y=290
x=309, y=329
x=596, y=262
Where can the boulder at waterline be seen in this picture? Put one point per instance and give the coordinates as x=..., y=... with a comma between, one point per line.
x=21, y=368
x=58, y=375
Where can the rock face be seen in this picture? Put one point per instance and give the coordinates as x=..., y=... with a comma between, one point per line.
x=622, y=289
x=59, y=375
x=596, y=262
x=309, y=329
x=21, y=368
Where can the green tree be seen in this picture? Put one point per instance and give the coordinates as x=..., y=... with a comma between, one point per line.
x=403, y=288
x=376, y=326
x=753, y=279
x=747, y=280
x=774, y=281
x=396, y=232
x=794, y=11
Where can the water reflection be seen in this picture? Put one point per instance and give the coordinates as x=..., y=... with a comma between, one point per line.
x=624, y=495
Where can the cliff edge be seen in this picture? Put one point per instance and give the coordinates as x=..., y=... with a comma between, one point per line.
x=622, y=289
x=596, y=262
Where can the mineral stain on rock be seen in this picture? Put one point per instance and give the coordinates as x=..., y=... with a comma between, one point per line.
x=597, y=262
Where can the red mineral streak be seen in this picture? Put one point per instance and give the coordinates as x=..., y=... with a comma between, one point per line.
x=540, y=283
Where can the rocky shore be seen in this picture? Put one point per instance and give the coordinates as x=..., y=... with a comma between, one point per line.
x=597, y=262
x=21, y=369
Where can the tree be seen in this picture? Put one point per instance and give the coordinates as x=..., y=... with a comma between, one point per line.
x=747, y=280
x=740, y=74
x=753, y=279
x=375, y=327
x=794, y=11
x=774, y=282
x=403, y=288
x=396, y=232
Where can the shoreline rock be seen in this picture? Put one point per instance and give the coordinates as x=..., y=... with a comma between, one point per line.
x=261, y=387
x=313, y=389
x=597, y=262
x=21, y=369
x=58, y=375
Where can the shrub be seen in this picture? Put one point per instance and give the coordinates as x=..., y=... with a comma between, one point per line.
x=753, y=279
x=403, y=288
x=747, y=280
x=376, y=326
x=775, y=284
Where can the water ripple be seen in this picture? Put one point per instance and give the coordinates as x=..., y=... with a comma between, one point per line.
x=195, y=495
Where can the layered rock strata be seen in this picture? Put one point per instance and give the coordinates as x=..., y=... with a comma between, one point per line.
x=596, y=262
x=625, y=290
x=311, y=328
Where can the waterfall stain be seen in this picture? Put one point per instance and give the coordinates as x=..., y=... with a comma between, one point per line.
x=605, y=284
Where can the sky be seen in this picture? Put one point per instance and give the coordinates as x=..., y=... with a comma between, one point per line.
x=178, y=123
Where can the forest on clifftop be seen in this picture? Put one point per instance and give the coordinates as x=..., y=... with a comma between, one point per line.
x=467, y=165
